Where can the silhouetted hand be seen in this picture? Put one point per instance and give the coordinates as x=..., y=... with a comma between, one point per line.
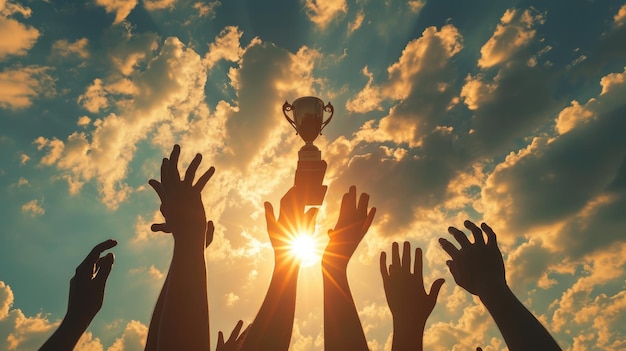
x=87, y=285
x=235, y=341
x=408, y=301
x=181, y=203
x=85, y=298
x=291, y=220
x=352, y=224
x=476, y=267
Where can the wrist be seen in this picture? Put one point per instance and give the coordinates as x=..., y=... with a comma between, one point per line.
x=494, y=293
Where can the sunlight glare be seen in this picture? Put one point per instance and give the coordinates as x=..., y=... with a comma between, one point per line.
x=306, y=249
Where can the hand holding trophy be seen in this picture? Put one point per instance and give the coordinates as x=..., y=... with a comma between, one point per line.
x=308, y=113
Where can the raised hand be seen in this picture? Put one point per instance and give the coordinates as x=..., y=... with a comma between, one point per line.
x=85, y=298
x=181, y=203
x=479, y=268
x=475, y=267
x=408, y=301
x=273, y=325
x=235, y=341
x=342, y=327
x=291, y=220
x=353, y=222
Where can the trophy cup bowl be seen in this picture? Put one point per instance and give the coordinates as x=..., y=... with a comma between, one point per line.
x=308, y=113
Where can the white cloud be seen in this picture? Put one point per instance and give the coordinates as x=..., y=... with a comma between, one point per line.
x=17, y=38
x=323, y=12
x=20, y=85
x=133, y=339
x=225, y=47
x=94, y=99
x=620, y=16
x=152, y=5
x=207, y=10
x=516, y=30
x=34, y=207
x=121, y=8
x=357, y=22
x=63, y=48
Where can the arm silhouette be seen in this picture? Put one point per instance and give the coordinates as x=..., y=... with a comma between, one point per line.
x=408, y=301
x=342, y=326
x=85, y=298
x=153, y=330
x=272, y=327
x=184, y=314
x=235, y=341
x=479, y=268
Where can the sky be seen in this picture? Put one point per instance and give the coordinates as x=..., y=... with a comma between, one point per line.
x=507, y=112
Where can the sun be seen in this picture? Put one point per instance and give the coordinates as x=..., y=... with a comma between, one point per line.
x=306, y=248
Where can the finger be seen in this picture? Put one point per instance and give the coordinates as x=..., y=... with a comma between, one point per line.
x=348, y=202
x=105, y=265
x=94, y=254
x=434, y=289
x=208, y=236
x=453, y=270
x=383, y=267
x=270, y=218
x=491, y=236
x=235, y=333
x=395, y=254
x=369, y=220
x=160, y=227
x=459, y=236
x=309, y=218
x=362, y=206
x=204, y=178
x=418, y=266
x=406, y=256
x=158, y=188
x=164, y=176
x=190, y=174
x=448, y=247
x=479, y=349
x=242, y=337
x=220, y=339
x=476, y=232
x=173, y=164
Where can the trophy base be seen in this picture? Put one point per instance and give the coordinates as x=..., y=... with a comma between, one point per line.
x=309, y=152
x=309, y=178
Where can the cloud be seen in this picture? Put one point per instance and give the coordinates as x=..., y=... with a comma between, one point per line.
x=63, y=48
x=207, y=10
x=133, y=338
x=543, y=185
x=225, y=47
x=121, y=8
x=34, y=207
x=21, y=85
x=516, y=30
x=357, y=22
x=152, y=5
x=94, y=99
x=416, y=5
x=17, y=38
x=323, y=12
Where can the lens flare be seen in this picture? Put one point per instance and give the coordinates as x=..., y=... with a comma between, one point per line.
x=306, y=249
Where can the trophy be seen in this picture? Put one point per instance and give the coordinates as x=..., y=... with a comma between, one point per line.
x=308, y=113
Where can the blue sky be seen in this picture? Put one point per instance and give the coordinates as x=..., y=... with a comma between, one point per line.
x=508, y=112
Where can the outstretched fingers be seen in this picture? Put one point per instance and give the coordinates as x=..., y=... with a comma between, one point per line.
x=190, y=174
x=491, y=236
x=448, y=247
x=172, y=164
x=460, y=237
x=103, y=267
x=94, y=254
x=383, y=268
x=418, y=267
x=476, y=232
x=406, y=257
x=204, y=178
x=435, y=288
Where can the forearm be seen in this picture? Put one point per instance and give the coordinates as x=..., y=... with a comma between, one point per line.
x=273, y=325
x=155, y=321
x=519, y=327
x=66, y=336
x=407, y=336
x=342, y=326
x=186, y=302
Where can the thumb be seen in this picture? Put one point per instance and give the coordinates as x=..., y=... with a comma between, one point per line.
x=434, y=289
x=220, y=340
x=269, y=213
x=105, y=265
x=208, y=236
x=160, y=227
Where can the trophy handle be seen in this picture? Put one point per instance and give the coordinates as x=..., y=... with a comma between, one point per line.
x=327, y=108
x=286, y=108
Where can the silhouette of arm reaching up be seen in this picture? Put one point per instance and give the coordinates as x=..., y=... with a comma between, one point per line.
x=408, y=301
x=184, y=314
x=153, y=330
x=479, y=269
x=342, y=327
x=272, y=327
x=85, y=298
